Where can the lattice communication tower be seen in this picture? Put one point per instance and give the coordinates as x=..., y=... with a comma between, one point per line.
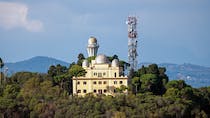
x=132, y=42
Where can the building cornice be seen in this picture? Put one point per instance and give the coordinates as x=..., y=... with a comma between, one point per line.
x=84, y=78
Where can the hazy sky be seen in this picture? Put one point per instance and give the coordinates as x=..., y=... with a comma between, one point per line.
x=176, y=31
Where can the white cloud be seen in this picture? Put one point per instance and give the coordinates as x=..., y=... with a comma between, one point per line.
x=13, y=15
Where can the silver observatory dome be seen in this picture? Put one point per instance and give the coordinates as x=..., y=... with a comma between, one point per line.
x=92, y=40
x=101, y=59
x=115, y=63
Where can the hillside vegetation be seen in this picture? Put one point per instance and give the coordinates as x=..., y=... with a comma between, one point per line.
x=151, y=94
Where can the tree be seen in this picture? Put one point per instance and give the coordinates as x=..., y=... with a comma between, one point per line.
x=142, y=70
x=152, y=78
x=162, y=75
x=61, y=69
x=115, y=57
x=64, y=81
x=1, y=66
x=21, y=77
x=179, y=84
x=150, y=83
x=52, y=71
x=61, y=77
x=121, y=89
x=179, y=89
x=136, y=82
x=77, y=71
x=112, y=57
x=80, y=57
x=153, y=69
x=11, y=91
x=58, y=73
x=73, y=63
x=57, y=70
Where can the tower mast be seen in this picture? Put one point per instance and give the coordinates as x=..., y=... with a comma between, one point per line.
x=132, y=42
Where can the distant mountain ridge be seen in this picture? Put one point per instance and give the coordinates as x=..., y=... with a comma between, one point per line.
x=36, y=64
x=195, y=75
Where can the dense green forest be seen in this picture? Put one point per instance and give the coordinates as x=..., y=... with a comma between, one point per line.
x=151, y=94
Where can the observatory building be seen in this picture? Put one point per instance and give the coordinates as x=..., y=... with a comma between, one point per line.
x=102, y=77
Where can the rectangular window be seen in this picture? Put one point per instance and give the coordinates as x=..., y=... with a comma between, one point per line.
x=99, y=75
x=105, y=90
x=115, y=82
x=121, y=82
x=78, y=91
x=99, y=82
x=94, y=91
x=78, y=82
x=84, y=91
x=84, y=83
x=94, y=82
x=104, y=73
x=95, y=74
x=100, y=91
x=104, y=82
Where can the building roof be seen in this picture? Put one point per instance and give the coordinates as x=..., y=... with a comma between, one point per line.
x=101, y=59
x=115, y=63
x=92, y=40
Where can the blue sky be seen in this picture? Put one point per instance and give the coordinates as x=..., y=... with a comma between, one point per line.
x=175, y=31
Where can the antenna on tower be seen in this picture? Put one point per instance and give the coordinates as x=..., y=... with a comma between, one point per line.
x=132, y=42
